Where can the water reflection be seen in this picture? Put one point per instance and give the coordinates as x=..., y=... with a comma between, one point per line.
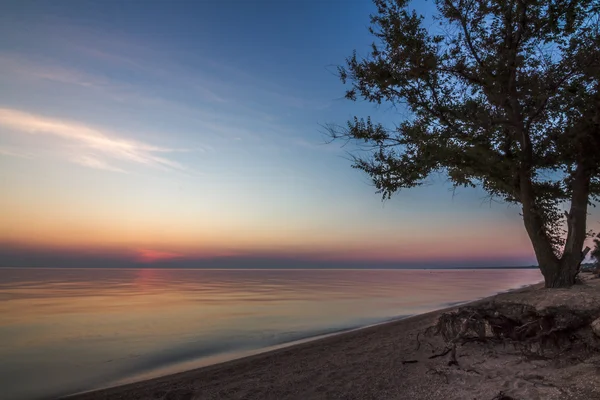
x=64, y=330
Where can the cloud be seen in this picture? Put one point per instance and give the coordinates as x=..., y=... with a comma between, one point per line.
x=162, y=94
x=157, y=80
x=211, y=106
x=92, y=162
x=14, y=153
x=87, y=140
x=213, y=81
x=171, y=76
x=210, y=81
x=47, y=70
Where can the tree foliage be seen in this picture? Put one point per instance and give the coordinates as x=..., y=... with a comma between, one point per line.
x=501, y=94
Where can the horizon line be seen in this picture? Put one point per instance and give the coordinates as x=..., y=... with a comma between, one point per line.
x=276, y=268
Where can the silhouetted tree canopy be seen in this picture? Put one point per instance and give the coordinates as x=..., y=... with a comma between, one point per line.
x=501, y=94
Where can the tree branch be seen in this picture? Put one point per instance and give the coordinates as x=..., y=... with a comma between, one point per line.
x=468, y=39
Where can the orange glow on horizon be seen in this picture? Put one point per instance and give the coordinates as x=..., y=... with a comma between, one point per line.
x=136, y=235
x=405, y=250
x=150, y=256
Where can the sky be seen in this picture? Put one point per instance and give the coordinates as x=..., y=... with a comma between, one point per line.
x=189, y=133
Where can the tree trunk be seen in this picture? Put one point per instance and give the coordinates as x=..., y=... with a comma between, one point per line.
x=548, y=263
x=576, y=222
x=561, y=275
x=558, y=272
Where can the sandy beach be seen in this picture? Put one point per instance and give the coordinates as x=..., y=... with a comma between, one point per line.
x=388, y=361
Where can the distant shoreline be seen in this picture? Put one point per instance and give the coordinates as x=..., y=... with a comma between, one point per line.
x=282, y=269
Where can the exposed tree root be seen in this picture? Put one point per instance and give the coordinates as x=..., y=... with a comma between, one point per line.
x=502, y=396
x=442, y=354
x=536, y=334
x=516, y=323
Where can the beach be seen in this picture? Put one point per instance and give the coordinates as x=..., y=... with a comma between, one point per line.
x=387, y=361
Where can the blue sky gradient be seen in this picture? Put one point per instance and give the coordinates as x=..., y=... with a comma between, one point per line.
x=146, y=132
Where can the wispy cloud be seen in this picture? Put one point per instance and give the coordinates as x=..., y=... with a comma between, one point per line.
x=218, y=120
x=47, y=70
x=93, y=145
x=93, y=162
x=168, y=74
x=210, y=80
x=14, y=153
x=208, y=104
x=157, y=80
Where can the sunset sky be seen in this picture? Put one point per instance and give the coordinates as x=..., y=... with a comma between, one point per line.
x=168, y=133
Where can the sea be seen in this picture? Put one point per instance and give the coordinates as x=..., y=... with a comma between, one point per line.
x=66, y=331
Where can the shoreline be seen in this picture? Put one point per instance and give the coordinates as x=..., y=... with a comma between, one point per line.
x=241, y=355
x=235, y=356
x=407, y=327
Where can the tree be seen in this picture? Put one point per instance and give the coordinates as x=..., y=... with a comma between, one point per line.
x=596, y=252
x=503, y=94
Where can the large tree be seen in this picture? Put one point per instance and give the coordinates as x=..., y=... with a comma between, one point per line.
x=502, y=94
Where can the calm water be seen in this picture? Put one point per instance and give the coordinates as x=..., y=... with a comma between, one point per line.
x=69, y=330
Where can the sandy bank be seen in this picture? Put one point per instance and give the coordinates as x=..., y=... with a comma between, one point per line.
x=381, y=362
